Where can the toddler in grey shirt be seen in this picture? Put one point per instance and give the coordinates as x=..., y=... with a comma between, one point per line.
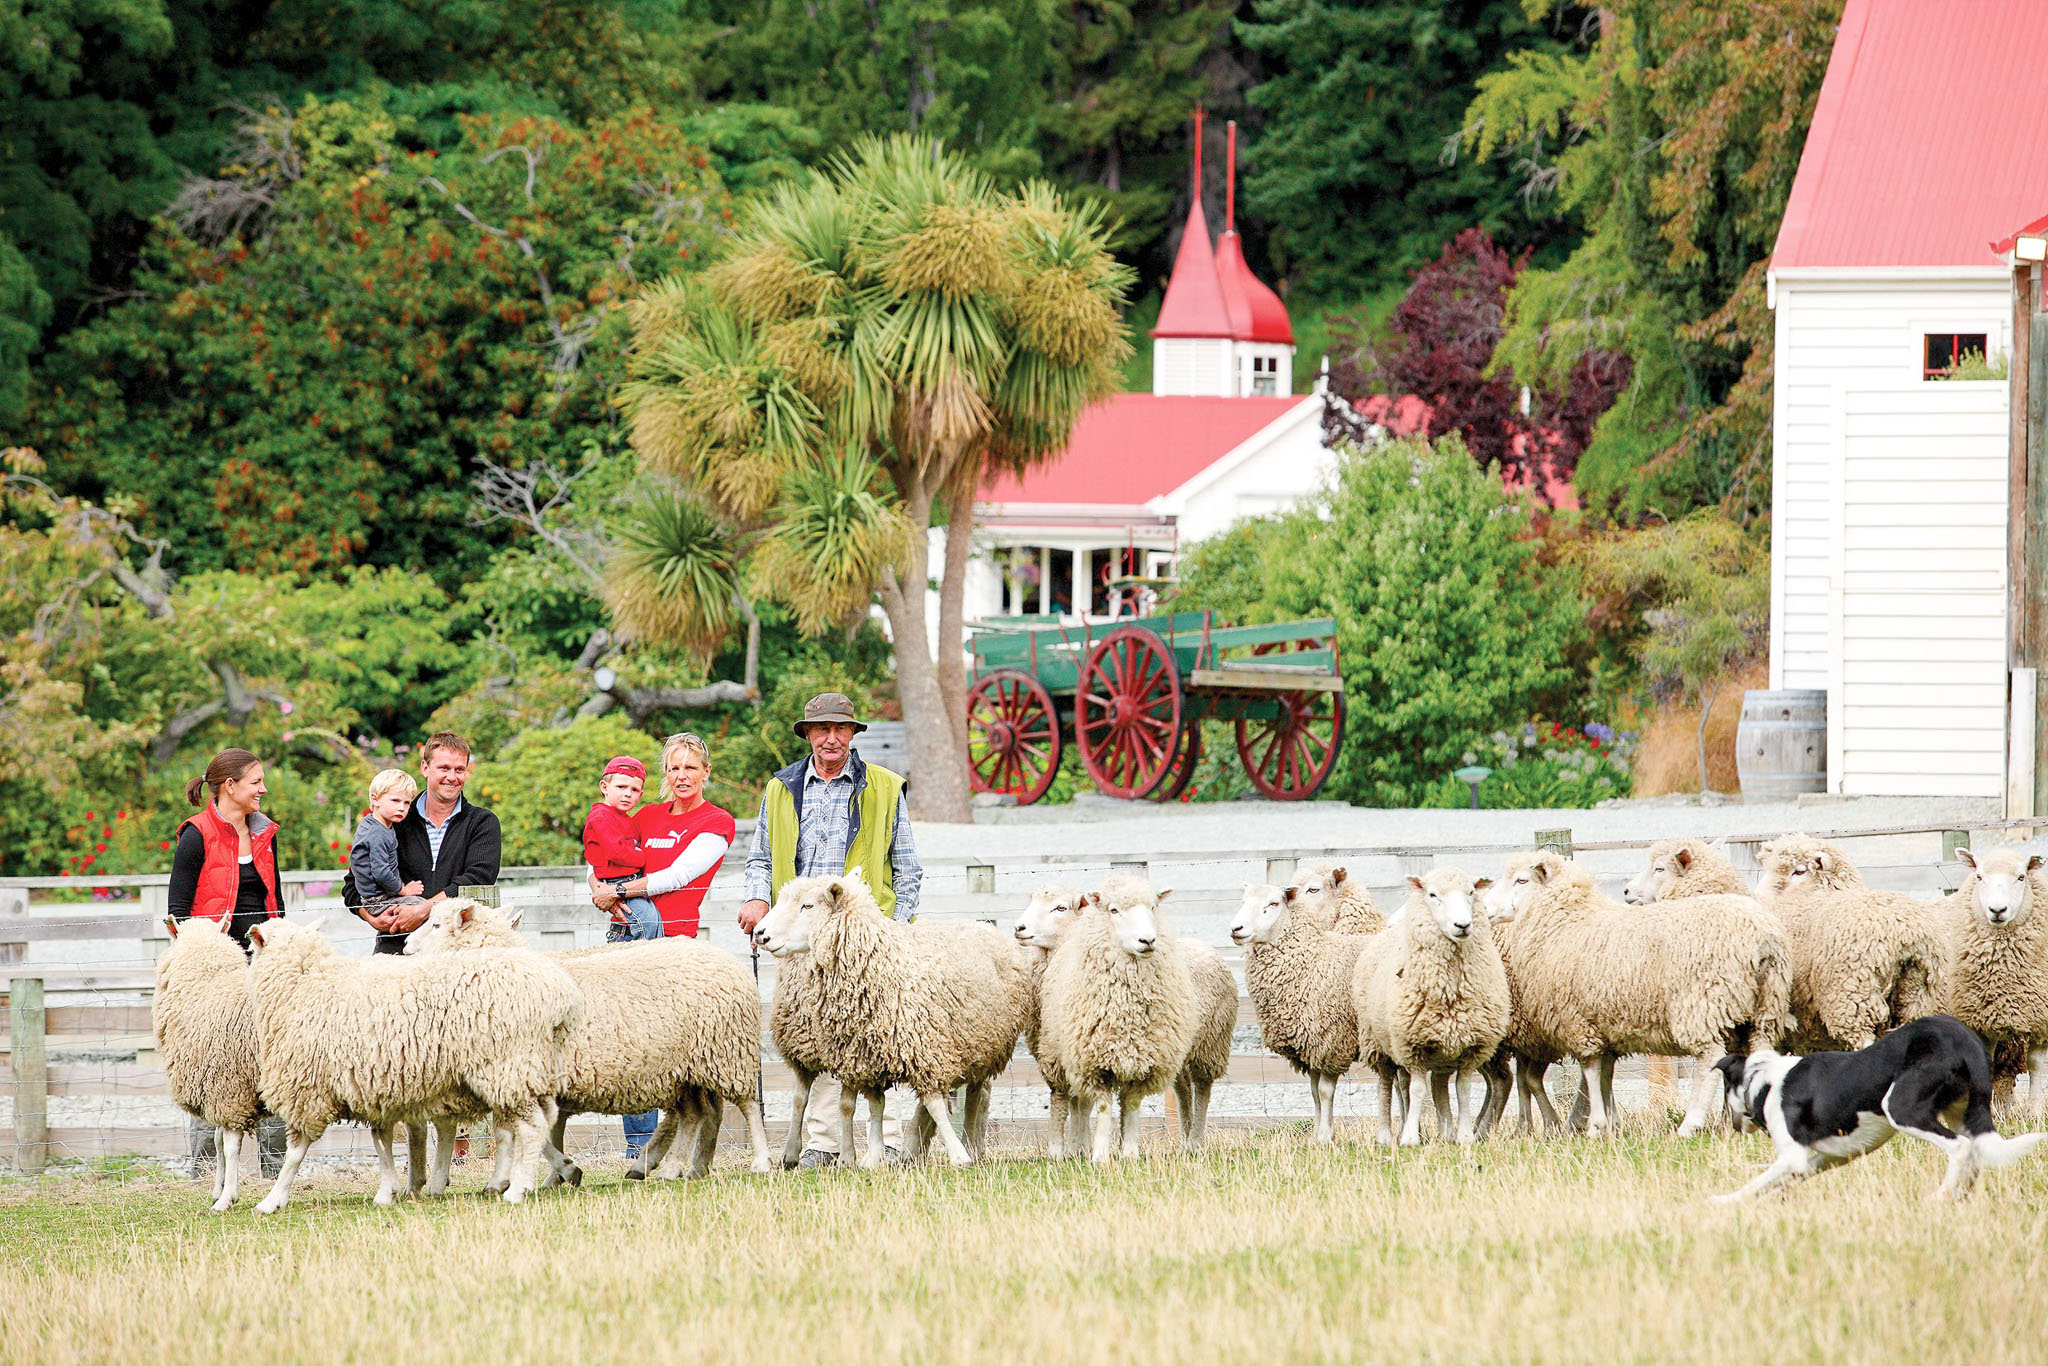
x=373, y=857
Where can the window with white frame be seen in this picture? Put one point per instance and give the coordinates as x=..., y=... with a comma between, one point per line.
x=1265, y=375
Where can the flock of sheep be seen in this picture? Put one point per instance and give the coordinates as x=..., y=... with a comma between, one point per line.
x=1468, y=981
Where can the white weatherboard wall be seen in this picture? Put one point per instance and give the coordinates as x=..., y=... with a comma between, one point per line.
x=1270, y=471
x=1848, y=331
x=1917, y=635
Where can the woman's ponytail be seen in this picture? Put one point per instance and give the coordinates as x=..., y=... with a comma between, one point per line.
x=195, y=791
x=227, y=766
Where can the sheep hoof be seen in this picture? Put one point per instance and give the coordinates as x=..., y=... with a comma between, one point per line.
x=268, y=1208
x=761, y=1166
x=222, y=1205
x=500, y=1186
x=636, y=1172
x=513, y=1195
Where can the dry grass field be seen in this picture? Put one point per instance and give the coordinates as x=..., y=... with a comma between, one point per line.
x=1262, y=1249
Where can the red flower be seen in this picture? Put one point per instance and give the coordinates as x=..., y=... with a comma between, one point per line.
x=86, y=862
x=99, y=848
x=88, y=815
x=334, y=844
x=165, y=845
x=107, y=833
x=120, y=815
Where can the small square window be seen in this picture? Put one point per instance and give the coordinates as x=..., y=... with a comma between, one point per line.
x=1944, y=349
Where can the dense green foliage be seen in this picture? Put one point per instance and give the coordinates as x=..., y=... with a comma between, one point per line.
x=1447, y=627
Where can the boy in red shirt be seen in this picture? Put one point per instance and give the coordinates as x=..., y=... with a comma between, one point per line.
x=612, y=847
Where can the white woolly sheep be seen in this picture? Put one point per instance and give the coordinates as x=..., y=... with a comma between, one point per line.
x=1702, y=976
x=205, y=1026
x=1432, y=999
x=1518, y=1069
x=1208, y=1056
x=928, y=1006
x=1039, y=929
x=1297, y=971
x=395, y=1040
x=800, y=1042
x=670, y=1024
x=1682, y=868
x=1864, y=961
x=1120, y=1006
x=1998, y=957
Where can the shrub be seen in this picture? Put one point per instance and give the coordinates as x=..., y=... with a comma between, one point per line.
x=1447, y=625
x=1542, y=765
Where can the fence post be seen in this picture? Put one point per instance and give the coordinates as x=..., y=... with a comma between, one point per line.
x=1557, y=841
x=488, y=895
x=1134, y=869
x=30, y=1064
x=13, y=907
x=1952, y=840
x=1280, y=871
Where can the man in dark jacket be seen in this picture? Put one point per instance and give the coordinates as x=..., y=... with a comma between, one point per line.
x=444, y=842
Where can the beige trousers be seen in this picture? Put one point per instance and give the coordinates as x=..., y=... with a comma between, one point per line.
x=821, y=1117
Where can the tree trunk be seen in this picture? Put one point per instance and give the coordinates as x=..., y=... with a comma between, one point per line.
x=939, y=791
x=952, y=662
x=1700, y=736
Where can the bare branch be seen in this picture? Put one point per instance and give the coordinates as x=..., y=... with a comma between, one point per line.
x=530, y=497
x=642, y=703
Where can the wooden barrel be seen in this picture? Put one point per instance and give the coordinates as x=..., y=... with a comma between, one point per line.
x=1781, y=744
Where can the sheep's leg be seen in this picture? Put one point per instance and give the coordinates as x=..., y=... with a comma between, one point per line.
x=1184, y=1102
x=519, y=1140
x=1411, y=1119
x=415, y=1158
x=848, y=1098
x=1326, y=1106
x=229, y=1177
x=942, y=1120
x=799, y=1101
x=1706, y=1095
x=444, y=1156
x=387, y=1170
x=504, y=1139
x=757, y=1137
x=1127, y=1123
x=1533, y=1090
x=978, y=1096
x=1056, y=1144
x=1103, y=1123
x=1607, y=1061
x=1079, y=1117
x=1500, y=1085
x=649, y=1159
x=1202, y=1089
x=877, y=1151
x=1440, y=1099
x=920, y=1136
x=1595, y=1096
x=294, y=1153
x=2037, y=1079
x=704, y=1142
x=219, y=1167
x=1469, y=1112
x=1387, y=1103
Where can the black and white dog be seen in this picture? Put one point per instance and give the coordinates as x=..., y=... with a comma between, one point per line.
x=1929, y=1079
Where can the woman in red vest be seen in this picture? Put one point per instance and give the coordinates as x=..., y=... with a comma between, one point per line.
x=225, y=866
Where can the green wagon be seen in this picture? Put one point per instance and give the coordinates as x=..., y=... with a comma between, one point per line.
x=1132, y=694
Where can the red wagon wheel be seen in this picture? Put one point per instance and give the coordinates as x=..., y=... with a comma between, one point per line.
x=1127, y=713
x=1185, y=760
x=1289, y=755
x=1013, y=735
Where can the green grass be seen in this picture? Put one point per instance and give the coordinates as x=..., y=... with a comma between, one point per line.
x=1265, y=1247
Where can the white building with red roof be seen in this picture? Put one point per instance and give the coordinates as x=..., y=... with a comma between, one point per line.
x=1889, y=522
x=1220, y=437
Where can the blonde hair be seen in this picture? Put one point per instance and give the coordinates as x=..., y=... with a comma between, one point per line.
x=686, y=741
x=393, y=780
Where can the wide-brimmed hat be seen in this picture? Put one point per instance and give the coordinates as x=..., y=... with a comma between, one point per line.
x=829, y=706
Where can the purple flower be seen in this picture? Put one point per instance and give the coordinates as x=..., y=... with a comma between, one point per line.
x=1604, y=734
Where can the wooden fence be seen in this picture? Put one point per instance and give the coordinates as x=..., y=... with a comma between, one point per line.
x=79, y=979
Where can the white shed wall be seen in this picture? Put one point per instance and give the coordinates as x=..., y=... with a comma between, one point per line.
x=1917, y=642
x=1834, y=336
x=1193, y=365
x=1269, y=473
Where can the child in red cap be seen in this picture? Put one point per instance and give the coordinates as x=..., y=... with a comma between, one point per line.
x=613, y=848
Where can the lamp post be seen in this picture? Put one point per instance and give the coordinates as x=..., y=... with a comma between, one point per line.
x=1472, y=776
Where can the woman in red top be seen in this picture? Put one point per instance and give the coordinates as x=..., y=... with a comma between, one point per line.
x=225, y=866
x=684, y=838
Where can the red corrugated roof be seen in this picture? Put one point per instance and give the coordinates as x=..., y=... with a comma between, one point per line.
x=1256, y=313
x=1131, y=448
x=1923, y=147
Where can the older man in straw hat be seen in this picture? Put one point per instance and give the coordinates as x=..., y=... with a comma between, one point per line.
x=822, y=815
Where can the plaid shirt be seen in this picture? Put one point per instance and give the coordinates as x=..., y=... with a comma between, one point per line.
x=821, y=832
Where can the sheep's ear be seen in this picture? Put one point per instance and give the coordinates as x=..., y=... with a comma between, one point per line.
x=1480, y=884
x=1415, y=882
x=1161, y=895
x=171, y=924
x=1543, y=868
x=257, y=934
x=1684, y=856
x=1337, y=876
x=1966, y=858
x=2033, y=862
x=514, y=916
x=467, y=913
x=1091, y=898
x=837, y=891
x=316, y=922
x=1823, y=860
x=1288, y=894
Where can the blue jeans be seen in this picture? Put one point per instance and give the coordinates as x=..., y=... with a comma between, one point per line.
x=642, y=922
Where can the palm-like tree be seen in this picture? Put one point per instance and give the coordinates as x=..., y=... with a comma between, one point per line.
x=869, y=347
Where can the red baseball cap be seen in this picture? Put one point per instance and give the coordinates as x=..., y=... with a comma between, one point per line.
x=626, y=763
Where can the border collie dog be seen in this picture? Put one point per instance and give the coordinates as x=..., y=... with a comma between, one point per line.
x=1929, y=1078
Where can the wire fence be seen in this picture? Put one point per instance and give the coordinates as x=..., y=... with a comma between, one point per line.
x=82, y=1080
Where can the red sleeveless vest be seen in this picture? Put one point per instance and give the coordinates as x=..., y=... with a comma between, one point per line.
x=220, y=877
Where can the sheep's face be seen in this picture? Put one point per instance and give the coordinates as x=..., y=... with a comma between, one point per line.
x=447, y=925
x=1133, y=918
x=787, y=927
x=1262, y=914
x=2004, y=894
x=1527, y=875
x=1450, y=895
x=1669, y=862
x=1317, y=889
x=276, y=934
x=1045, y=921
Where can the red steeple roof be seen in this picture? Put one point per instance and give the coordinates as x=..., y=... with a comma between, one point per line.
x=1212, y=292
